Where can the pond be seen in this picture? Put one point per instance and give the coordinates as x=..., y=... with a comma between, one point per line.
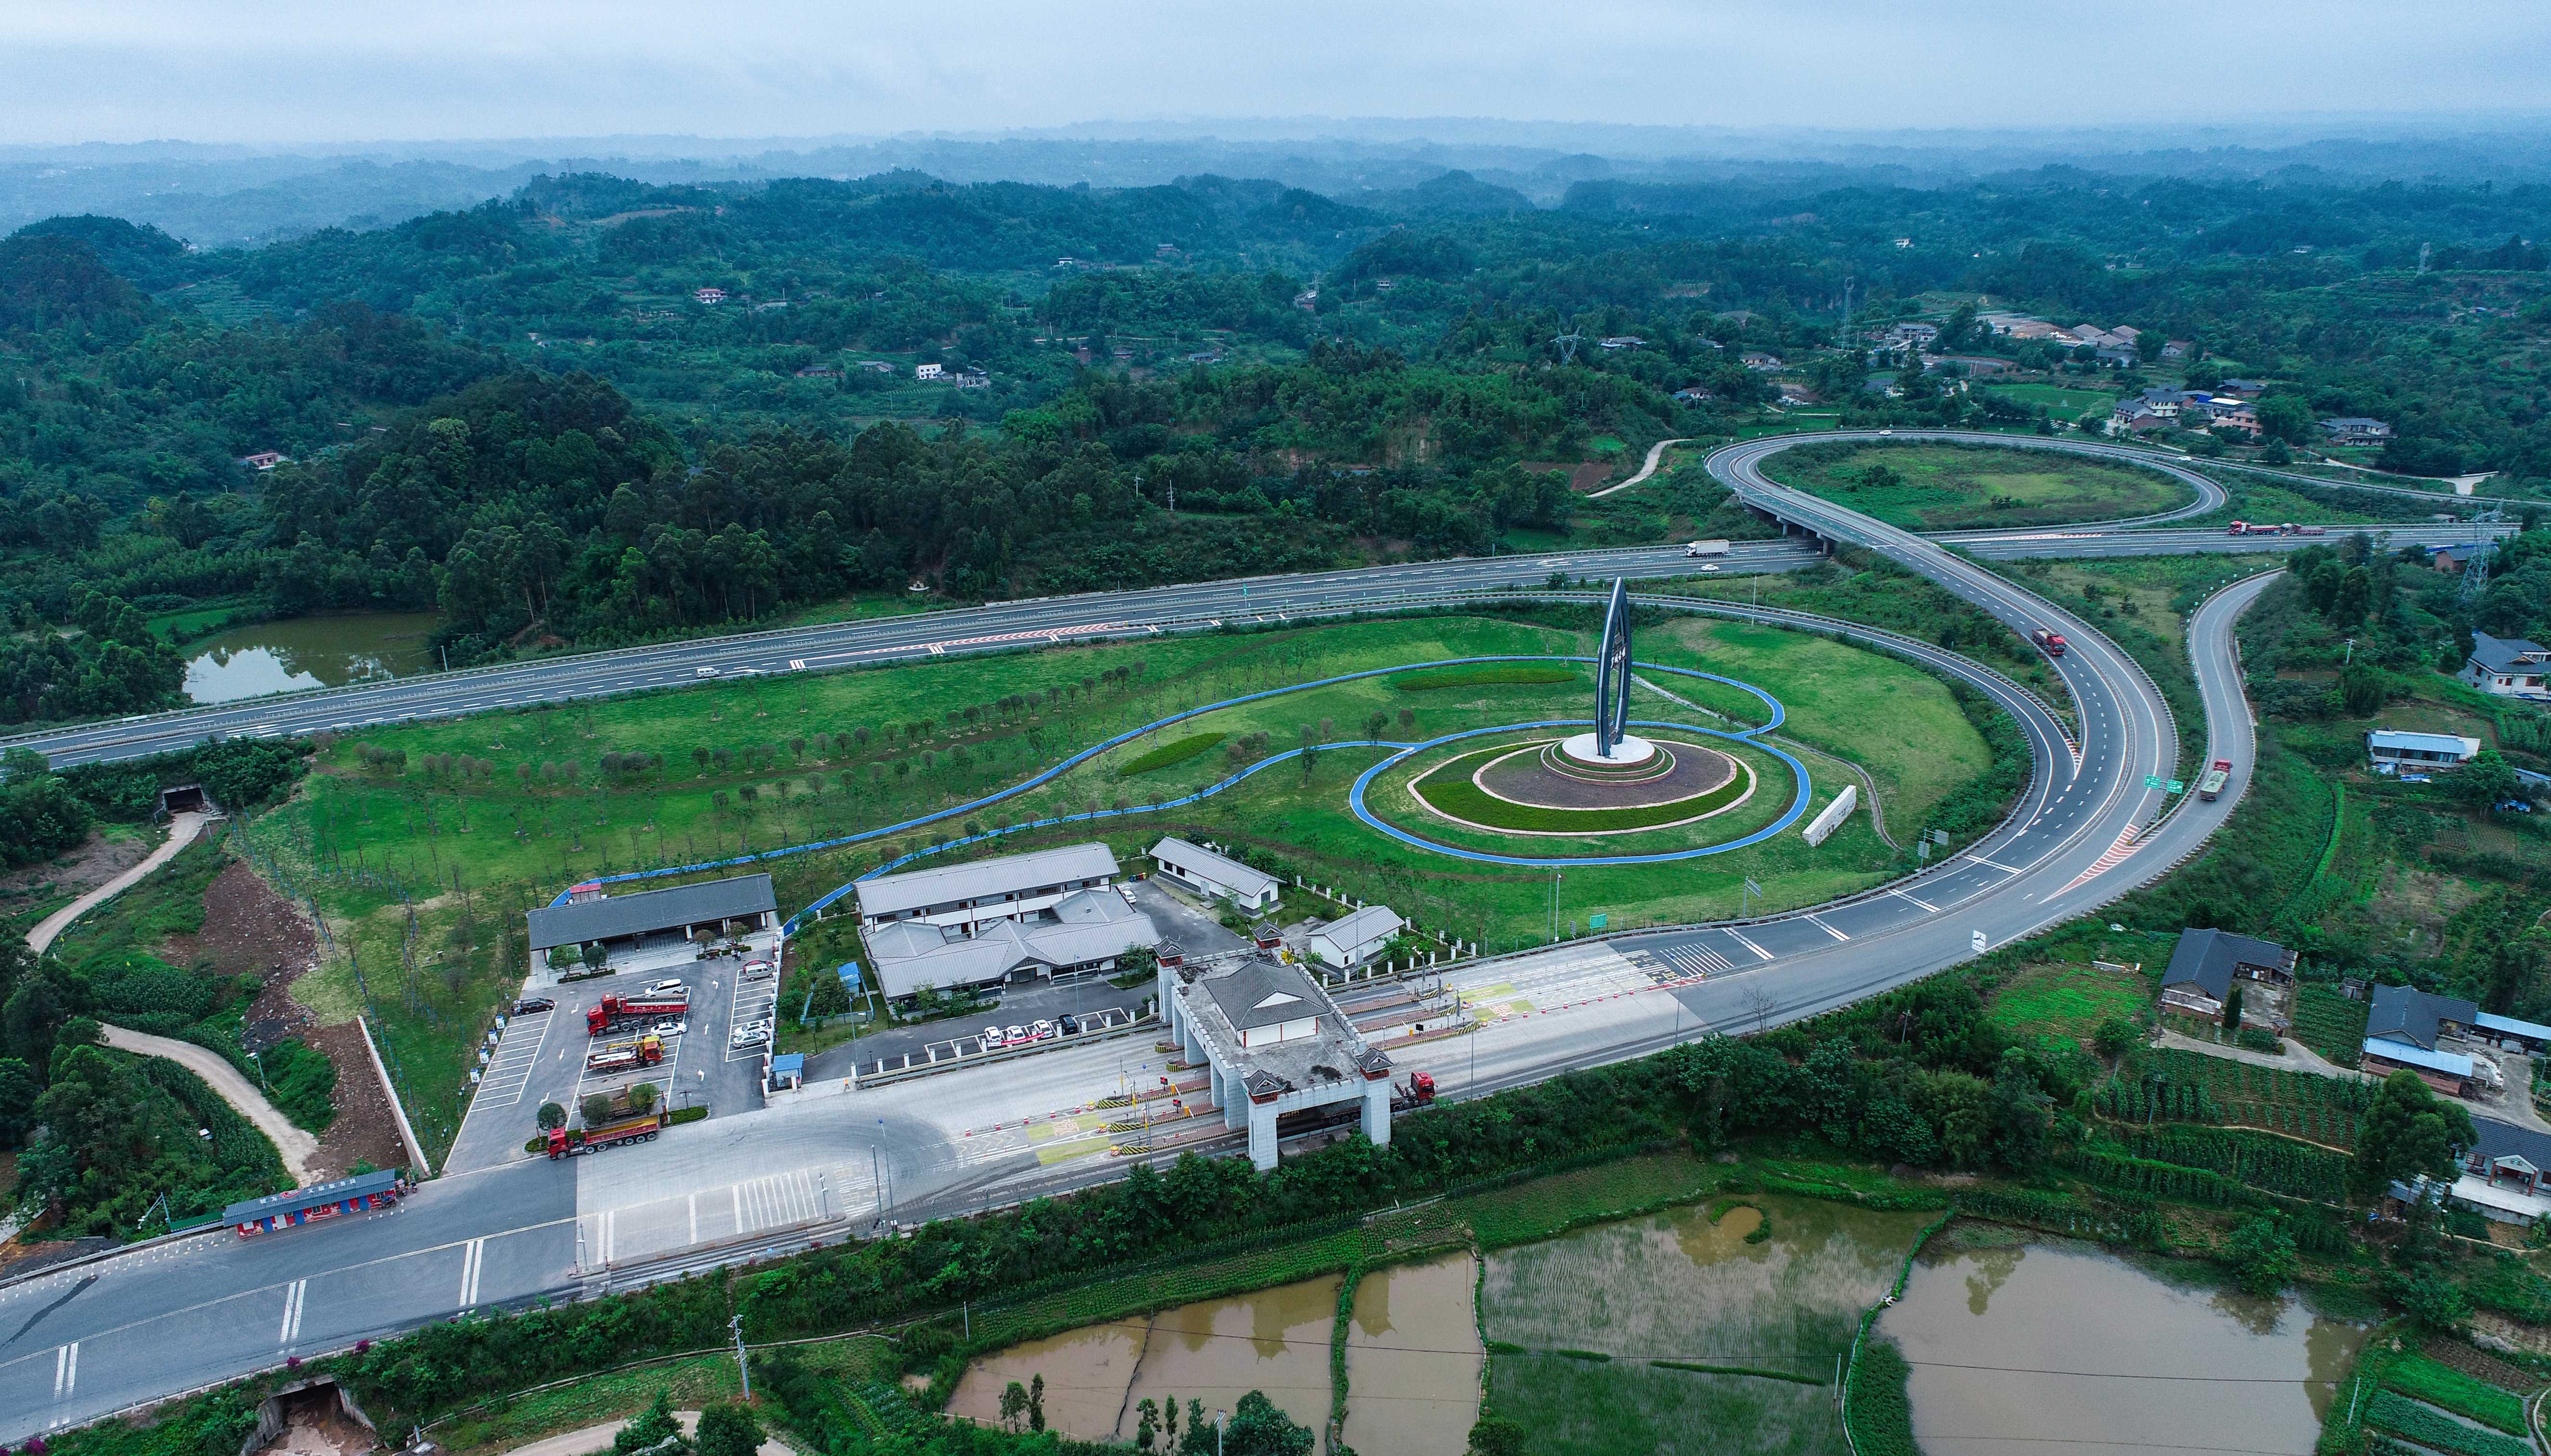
x=298, y=653
x=1413, y=1357
x=2043, y=1349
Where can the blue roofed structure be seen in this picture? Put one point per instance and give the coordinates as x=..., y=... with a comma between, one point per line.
x=2533, y=1034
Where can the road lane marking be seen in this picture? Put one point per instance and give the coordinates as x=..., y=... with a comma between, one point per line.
x=1980, y=860
x=1749, y=945
x=1900, y=894
x=1827, y=929
x=474, y=1260
x=695, y=1216
x=66, y=1370
x=292, y=1297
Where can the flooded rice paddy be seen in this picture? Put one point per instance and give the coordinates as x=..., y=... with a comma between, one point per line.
x=298, y=653
x=1275, y=1340
x=1681, y=1286
x=2059, y=1350
x=1413, y=1358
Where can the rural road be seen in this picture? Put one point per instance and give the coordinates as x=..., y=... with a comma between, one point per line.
x=1656, y=453
x=182, y=829
x=299, y=1149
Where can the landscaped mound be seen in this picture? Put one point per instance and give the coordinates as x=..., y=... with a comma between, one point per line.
x=1714, y=782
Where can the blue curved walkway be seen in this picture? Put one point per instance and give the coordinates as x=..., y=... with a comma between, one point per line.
x=1780, y=714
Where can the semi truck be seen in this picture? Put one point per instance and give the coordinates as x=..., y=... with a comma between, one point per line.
x=625, y=1056
x=2217, y=774
x=2280, y=528
x=602, y=1015
x=636, y=1127
x=1706, y=547
x=2051, y=642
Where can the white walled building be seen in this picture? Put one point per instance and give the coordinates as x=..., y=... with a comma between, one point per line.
x=1201, y=869
x=966, y=897
x=1352, y=940
x=1274, y=1043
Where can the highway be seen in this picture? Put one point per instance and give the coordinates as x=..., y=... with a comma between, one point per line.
x=82, y=1343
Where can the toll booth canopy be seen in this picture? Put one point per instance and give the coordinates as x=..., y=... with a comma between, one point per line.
x=319, y=1200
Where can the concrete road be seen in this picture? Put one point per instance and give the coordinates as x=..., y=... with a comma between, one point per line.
x=81, y=1342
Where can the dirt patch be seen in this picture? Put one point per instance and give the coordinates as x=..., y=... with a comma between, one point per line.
x=249, y=930
x=33, y=891
x=1583, y=475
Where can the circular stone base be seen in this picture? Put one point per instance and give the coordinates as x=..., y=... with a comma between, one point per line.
x=1630, y=753
x=1524, y=776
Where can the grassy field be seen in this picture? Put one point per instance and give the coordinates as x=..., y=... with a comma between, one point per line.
x=422, y=846
x=689, y=1382
x=2063, y=403
x=2067, y=999
x=1445, y=785
x=1941, y=487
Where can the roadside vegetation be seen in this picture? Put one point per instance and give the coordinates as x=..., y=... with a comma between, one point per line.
x=1940, y=486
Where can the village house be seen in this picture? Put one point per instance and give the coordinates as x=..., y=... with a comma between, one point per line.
x=2507, y=667
x=264, y=460
x=711, y=297
x=2403, y=1029
x=2205, y=963
x=2355, y=430
x=2390, y=749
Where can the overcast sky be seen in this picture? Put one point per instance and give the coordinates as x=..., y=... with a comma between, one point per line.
x=338, y=71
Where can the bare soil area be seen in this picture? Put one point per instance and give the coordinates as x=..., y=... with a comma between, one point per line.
x=249, y=930
x=31, y=891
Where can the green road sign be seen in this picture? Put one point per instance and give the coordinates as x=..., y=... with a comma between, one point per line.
x=2176, y=786
x=2152, y=781
x=1597, y=922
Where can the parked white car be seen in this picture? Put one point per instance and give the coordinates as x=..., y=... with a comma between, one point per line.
x=662, y=988
x=756, y=970
x=667, y=1028
x=752, y=1036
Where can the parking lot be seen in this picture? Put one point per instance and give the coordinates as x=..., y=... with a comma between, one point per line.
x=540, y=1056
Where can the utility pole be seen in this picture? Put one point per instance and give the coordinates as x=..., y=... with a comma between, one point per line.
x=741, y=1369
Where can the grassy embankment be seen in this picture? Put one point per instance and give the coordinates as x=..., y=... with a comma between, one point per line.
x=423, y=865
x=1951, y=488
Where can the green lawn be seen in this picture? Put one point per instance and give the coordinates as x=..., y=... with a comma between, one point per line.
x=1945, y=487
x=2062, y=401
x=2067, y=998
x=486, y=817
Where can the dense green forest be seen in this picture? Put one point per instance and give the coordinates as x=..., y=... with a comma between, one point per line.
x=599, y=410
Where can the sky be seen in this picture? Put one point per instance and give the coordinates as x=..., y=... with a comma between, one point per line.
x=318, y=72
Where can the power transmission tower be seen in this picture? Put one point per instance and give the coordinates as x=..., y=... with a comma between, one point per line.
x=2423, y=250
x=1847, y=281
x=1567, y=343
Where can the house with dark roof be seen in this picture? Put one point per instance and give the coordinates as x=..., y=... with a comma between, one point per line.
x=2419, y=1018
x=598, y=923
x=2507, y=667
x=2506, y=1171
x=2355, y=430
x=2205, y=963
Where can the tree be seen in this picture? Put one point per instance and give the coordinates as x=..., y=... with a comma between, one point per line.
x=1036, y=1401
x=653, y=1427
x=1014, y=1403
x=2263, y=1253
x=596, y=1110
x=642, y=1096
x=2232, y=1007
x=2405, y=1133
x=727, y=1430
x=2434, y=1300
x=2286, y=419
x=19, y=1089
x=2486, y=780
x=1147, y=1421
x=1258, y=1427
x=2115, y=1037
x=552, y=1116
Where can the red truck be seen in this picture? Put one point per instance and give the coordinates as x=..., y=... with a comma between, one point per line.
x=625, y=1056
x=612, y=1009
x=2051, y=642
x=2217, y=774
x=638, y=1128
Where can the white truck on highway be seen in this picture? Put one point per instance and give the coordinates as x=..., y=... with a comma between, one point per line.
x=1706, y=547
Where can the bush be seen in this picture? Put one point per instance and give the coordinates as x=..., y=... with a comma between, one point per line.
x=2259, y=1039
x=1176, y=751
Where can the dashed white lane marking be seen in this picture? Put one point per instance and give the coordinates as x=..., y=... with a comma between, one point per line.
x=474, y=1259
x=1749, y=945
x=1827, y=929
x=1925, y=904
x=695, y=1217
x=293, y=1294
x=66, y=1370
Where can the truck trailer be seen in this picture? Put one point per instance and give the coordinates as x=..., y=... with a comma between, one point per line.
x=601, y=1016
x=638, y=1128
x=625, y=1056
x=2052, y=643
x=1706, y=547
x=2217, y=774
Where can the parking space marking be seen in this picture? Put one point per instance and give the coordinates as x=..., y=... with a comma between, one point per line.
x=511, y=1070
x=753, y=1000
